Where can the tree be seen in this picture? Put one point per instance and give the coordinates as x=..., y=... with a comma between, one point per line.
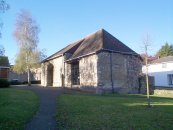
x=3, y=7
x=149, y=57
x=146, y=43
x=165, y=50
x=26, y=34
x=2, y=50
x=4, y=61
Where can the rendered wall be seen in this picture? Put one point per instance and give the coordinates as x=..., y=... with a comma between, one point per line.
x=160, y=72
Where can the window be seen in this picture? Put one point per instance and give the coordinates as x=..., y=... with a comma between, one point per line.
x=164, y=65
x=75, y=73
x=170, y=79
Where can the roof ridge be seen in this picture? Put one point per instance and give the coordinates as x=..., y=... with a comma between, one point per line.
x=102, y=38
x=90, y=34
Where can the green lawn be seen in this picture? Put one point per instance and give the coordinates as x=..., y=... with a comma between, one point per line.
x=120, y=112
x=16, y=108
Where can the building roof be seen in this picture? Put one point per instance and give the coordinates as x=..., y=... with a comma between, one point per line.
x=68, y=49
x=98, y=41
x=163, y=59
x=4, y=61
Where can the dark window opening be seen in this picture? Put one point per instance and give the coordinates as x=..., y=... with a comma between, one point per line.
x=75, y=73
x=170, y=79
x=50, y=70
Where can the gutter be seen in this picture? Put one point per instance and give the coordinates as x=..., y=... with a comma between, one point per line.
x=108, y=50
x=77, y=58
x=127, y=53
x=4, y=67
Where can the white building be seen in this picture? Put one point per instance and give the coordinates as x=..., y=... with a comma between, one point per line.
x=162, y=70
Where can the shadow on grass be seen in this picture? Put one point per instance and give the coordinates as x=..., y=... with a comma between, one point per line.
x=80, y=92
x=113, y=111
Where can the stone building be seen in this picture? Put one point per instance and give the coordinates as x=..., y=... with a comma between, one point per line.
x=98, y=62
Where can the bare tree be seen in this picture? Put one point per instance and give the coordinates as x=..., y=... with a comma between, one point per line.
x=26, y=34
x=3, y=7
x=146, y=44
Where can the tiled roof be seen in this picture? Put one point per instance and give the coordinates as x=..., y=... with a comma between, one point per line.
x=4, y=61
x=98, y=41
x=163, y=59
x=68, y=49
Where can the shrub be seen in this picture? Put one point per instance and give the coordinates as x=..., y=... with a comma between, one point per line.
x=4, y=83
x=15, y=82
x=36, y=82
x=25, y=82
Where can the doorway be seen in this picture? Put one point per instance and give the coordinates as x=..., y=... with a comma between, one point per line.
x=50, y=70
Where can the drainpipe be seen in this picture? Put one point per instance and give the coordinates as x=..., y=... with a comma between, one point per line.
x=46, y=79
x=63, y=71
x=64, y=74
x=112, y=84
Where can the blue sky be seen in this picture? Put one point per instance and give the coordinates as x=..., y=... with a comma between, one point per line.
x=65, y=21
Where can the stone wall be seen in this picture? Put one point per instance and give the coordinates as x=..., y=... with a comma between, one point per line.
x=36, y=74
x=134, y=68
x=88, y=71
x=125, y=71
x=43, y=74
x=68, y=75
x=45, y=77
x=142, y=84
x=103, y=69
x=56, y=73
x=58, y=64
x=20, y=77
x=23, y=77
x=166, y=92
x=98, y=72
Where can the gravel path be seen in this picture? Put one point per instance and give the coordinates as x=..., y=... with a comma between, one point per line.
x=45, y=117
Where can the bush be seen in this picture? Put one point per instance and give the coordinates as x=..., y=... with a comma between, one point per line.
x=25, y=82
x=15, y=82
x=4, y=83
x=36, y=82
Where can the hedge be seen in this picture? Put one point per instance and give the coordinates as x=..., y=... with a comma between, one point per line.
x=4, y=83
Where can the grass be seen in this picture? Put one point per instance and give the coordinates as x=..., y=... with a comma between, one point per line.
x=16, y=108
x=120, y=112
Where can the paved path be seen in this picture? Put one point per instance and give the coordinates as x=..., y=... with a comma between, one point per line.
x=45, y=117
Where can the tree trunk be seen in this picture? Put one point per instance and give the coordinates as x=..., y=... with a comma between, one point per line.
x=29, y=77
